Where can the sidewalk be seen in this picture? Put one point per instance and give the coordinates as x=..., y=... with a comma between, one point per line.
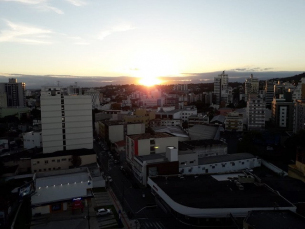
x=116, y=203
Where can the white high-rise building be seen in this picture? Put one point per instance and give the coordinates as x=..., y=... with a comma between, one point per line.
x=66, y=120
x=221, y=87
x=251, y=86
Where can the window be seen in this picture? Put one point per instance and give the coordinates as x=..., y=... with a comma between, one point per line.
x=37, y=162
x=35, y=171
x=44, y=170
x=53, y=160
x=58, y=168
x=58, y=160
x=46, y=161
x=39, y=170
x=63, y=159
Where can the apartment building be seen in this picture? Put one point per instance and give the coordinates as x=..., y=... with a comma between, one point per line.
x=234, y=122
x=255, y=112
x=299, y=116
x=282, y=112
x=66, y=120
x=251, y=86
x=13, y=93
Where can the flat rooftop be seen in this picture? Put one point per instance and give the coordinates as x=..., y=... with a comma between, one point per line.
x=61, y=187
x=224, y=158
x=275, y=219
x=148, y=136
x=216, y=191
x=151, y=157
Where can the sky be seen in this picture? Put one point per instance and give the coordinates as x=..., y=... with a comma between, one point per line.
x=150, y=38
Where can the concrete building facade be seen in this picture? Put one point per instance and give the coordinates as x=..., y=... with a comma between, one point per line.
x=66, y=120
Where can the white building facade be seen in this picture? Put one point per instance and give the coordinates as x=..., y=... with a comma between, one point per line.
x=32, y=139
x=66, y=120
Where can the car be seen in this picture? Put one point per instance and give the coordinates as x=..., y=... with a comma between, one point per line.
x=109, y=179
x=103, y=211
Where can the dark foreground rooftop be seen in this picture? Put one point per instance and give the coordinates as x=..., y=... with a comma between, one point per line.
x=275, y=219
x=204, y=191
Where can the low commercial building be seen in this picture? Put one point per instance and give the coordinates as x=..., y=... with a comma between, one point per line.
x=62, y=160
x=114, y=131
x=146, y=144
x=58, y=191
x=156, y=164
x=32, y=139
x=190, y=164
x=204, y=147
x=198, y=119
x=206, y=200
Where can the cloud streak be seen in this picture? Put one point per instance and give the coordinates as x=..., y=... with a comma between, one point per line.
x=118, y=28
x=77, y=2
x=41, y=5
x=24, y=34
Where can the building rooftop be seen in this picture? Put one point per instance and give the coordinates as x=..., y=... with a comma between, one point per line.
x=224, y=158
x=54, y=186
x=61, y=187
x=148, y=136
x=198, y=132
x=77, y=152
x=185, y=145
x=151, y=157
x=174, y=130
x=215, y=191
x=218, y=118
x=280, y=219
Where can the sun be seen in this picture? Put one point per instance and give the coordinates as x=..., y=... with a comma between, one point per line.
x=151, y=65
x=149, y=81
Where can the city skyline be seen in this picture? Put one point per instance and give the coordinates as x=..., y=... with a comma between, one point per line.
x=149, y=39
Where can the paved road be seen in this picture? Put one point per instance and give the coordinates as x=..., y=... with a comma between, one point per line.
x=148, y=213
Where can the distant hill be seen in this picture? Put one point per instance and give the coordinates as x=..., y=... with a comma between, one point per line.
x=291, y=79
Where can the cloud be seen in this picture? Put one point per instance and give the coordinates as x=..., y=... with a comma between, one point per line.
x=24, y=34
x=251, y=69
x=38, y=4
x=118, y=28
x=77, y=2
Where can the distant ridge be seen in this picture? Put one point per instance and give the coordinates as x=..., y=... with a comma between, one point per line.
x=291, y=79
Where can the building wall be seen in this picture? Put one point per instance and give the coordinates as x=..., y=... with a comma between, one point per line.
x=224, y=167
x=136, y=128
x=66, y=122
x=41, y=210
x=256, y=113
x=116, y=133
x=60, y=162
x=144, y=146
x=32, y=140
x=299, y=116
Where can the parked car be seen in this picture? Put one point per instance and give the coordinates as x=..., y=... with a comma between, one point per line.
x=103, y=211
x=109, y=179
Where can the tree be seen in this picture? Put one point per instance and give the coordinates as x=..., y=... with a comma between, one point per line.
x=76, y=160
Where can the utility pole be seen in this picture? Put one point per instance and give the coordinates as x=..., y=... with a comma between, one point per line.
x=88, y=216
